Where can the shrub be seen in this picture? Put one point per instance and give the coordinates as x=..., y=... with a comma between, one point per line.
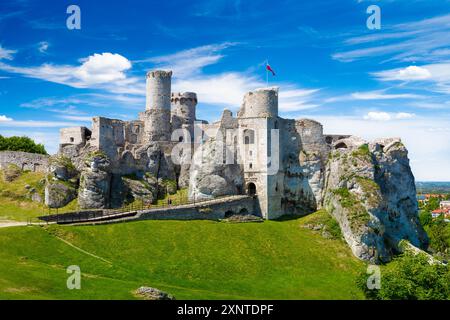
x=439, y=235
x=425, y=218
x=24, y=144
x=410, y=277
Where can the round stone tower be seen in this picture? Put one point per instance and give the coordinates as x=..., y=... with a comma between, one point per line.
x=261, y=103
x=183, y=106
x=157, y=107
x=183, y=111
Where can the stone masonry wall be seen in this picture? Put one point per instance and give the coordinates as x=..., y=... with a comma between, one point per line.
x=24, y=160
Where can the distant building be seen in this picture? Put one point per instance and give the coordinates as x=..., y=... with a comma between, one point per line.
x=445, y=204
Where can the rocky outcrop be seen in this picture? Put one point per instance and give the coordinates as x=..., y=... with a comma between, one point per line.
x=149, y=293
x=210, y=177
x=370, y=191
x=59, y=193
x=61, y=182
x=144, y=190
x=95, y=182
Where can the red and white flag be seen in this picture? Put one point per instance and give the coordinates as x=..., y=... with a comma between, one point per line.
x=269, y=68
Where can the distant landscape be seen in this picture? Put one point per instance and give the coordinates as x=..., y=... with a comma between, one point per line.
x=433, y=187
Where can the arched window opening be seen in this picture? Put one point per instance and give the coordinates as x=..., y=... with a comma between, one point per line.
x=251, y=189
x=249, y=136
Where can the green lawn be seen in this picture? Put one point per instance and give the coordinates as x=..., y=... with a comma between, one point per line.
x=189, y=259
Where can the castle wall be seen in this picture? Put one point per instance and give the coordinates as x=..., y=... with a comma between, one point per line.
x=74, y=135
x=24, y=160
x=134, y=132
x=108, y=135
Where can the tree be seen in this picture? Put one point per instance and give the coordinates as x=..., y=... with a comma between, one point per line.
x=425, y=218
x=439, y=235
x=410, y=277
x=24, y=144
x=432, y=204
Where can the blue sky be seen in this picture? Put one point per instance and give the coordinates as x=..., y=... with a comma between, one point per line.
x=373, y=83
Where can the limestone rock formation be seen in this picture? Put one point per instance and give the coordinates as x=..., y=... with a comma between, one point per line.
x=61, y=182
x=94, y=191
x=149, y=293
x=210, y=177
x=140, y=189
x=59, y=193
x=370, y=191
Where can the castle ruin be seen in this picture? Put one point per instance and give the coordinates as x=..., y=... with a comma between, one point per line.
x=256, y=152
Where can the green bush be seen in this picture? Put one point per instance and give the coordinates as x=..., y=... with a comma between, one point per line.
x=425, y=218
x=410, y=277
x=24, y=144
x=439, y=235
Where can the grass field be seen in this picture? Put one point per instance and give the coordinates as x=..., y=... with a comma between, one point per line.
x=191, y=260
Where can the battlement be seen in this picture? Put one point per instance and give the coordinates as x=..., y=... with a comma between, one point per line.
x=182, y=97
x=159, y=74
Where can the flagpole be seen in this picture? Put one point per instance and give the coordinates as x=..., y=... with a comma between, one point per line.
x=267, y=73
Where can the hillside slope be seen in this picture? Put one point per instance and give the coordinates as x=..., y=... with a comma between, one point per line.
x=191, y=260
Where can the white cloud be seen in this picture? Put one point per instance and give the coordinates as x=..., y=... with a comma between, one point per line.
x=226, y=89
x=378, y=116
x=436, y=73
x=404, y=115
x=37, y=124
x=190, y=62
x=385, y=116
x=101, y=68
x=4, y=118
x=411, y=73
x=77, y=118
x=380, y=95
x=6, y=54
x=373, y=95
x=105, y=71
x=414, y=73
x=425, y=40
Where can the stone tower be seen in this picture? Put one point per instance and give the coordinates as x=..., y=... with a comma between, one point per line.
x=183, y=111
x=157, y=108
x=261, y=150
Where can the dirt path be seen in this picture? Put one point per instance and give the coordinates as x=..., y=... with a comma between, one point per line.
x=7, y=223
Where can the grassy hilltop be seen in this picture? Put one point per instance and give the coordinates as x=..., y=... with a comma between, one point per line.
x=189, y=259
